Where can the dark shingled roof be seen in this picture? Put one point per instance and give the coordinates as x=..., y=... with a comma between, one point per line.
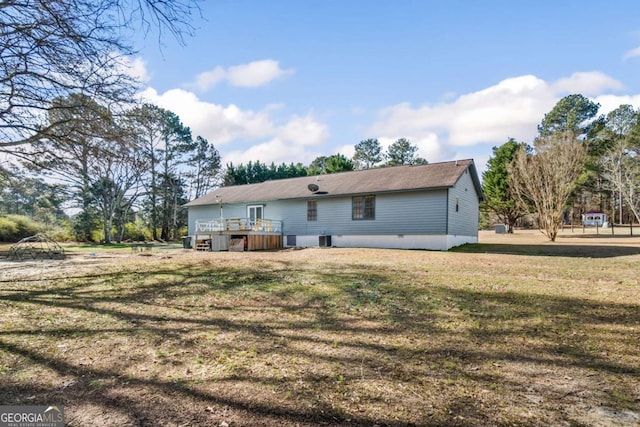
x=369, y=181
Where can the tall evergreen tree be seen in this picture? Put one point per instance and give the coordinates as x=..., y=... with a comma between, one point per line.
x=204, y=167
x=330, y=164
x=573, y=113
x=165, y=143
x=368, y=153
x=403, y=152
x=74, y=152
x=499, y=196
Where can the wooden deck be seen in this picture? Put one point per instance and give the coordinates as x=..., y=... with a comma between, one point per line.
x=237, y=234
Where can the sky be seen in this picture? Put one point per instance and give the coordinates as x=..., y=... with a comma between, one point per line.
x=288, y=81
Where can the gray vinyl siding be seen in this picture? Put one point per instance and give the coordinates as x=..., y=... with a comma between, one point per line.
x=205, y=212
x=464, y=222
x=420, y=212
x=402, y=213
x=211, y=212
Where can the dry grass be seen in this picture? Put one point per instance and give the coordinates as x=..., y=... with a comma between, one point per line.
x=513, y=331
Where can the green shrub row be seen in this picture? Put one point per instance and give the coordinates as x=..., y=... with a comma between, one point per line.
x=16, y=227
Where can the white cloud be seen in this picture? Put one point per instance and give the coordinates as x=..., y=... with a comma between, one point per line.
x=586, y=83
x=633, y=53
x=611, y=102
x=220, y=124
x=135, y=67
x=346, y=150
x=138, y=68
x=275, y=150
x=253, y=74
x=465, y=126
x=511, y=108
x=256, y=73
x=208, y=79
x=430, y=147
x=306, y=130
x=255, y=135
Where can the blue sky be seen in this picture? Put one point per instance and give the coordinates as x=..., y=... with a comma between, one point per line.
x=287, y=81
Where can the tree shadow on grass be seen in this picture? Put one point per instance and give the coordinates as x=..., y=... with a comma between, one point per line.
x=276, y=346
x=550, y=249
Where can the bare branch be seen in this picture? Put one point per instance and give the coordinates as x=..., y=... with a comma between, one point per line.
x=545, y=180
x=55, y=48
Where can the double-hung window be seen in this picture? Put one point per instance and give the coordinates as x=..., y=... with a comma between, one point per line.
x=363, y=207
x=312, y=210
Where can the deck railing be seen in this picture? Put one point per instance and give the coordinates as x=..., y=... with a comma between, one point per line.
x=239, y=224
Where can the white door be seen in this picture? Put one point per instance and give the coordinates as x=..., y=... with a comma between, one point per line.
x=254, y=213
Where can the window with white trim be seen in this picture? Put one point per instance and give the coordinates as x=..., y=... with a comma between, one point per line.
x=254, y=212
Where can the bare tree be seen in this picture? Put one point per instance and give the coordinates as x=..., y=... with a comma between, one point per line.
x=116, y=185
x=543, y=181
x=621, y=171
x=620, y=165
x=54, y=48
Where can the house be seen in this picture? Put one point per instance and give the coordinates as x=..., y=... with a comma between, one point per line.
x=433, y=206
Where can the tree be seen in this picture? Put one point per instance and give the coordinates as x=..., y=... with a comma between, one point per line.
x=573, y=113
x=51, y=49
x=498, y=192
x=338, y=163
x=21, y=194
x=545, y=180
x=402, y=152
x=621, y=170
x=115, y=186
x=620, y=165
x=165, y=144
x=368, y=153
x=254, y=172
x=578, y=115
x=177, y=143
x=331, y=164
x=97, y=157
x=205, y=167
x=72, y=153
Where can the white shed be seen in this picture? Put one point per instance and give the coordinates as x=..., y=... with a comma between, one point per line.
x=594, y=219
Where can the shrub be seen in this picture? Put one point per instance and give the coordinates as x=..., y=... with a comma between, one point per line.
x=16, y=227
x=61, y=233
x=136, y=231
x=8, y=230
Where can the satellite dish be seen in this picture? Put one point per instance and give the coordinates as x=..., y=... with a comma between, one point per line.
x=313, y=187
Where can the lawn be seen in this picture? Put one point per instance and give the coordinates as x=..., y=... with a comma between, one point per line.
x=507, y=332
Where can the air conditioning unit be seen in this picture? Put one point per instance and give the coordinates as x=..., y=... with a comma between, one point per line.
x=324, y=241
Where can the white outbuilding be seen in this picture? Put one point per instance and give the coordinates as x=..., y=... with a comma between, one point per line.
x=594, y=219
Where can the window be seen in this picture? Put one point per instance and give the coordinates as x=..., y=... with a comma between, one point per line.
x=312, y=210
x=363, y=207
